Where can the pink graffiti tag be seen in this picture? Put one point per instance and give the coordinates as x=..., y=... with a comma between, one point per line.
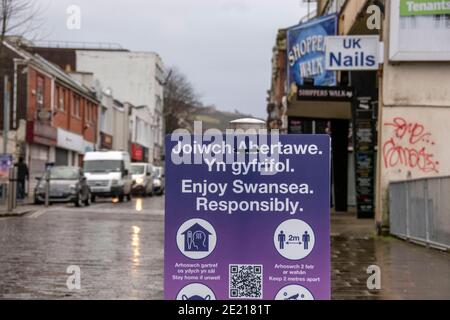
x=408, y=147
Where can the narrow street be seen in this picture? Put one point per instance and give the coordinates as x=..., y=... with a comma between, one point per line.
x=118, y=247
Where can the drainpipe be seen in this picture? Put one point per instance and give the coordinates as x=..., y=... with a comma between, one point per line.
x=17, y=62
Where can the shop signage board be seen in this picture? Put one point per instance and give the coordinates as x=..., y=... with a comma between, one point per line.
x=410, y=8
x=6, y=162
x=316, y=93
x=240, y=227
x=419, y=30
x=306, y=51
x=352, y=53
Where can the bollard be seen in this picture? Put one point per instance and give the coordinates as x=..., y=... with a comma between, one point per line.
x=4, y=198
x=47, y=188
x=12, y=189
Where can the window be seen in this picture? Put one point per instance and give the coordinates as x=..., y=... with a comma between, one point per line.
x=76, y=106
x=62, y=95
x=57, y=93
x=40, y=92
x=86, y=112
x=103, y=120
x=59, y=98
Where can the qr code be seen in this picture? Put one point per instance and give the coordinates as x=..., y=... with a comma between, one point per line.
x=246, y=281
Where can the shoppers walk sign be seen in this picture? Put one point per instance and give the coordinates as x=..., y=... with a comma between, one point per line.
x=306, y=51
x=424, y=7
x=247, y=217
x=352, y=53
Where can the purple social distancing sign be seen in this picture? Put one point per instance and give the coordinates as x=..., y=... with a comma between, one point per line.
x=247, y=218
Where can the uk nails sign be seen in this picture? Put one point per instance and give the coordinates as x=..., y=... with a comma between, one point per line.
x=352, y=53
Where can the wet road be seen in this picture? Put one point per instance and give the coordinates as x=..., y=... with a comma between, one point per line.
x=118, y=247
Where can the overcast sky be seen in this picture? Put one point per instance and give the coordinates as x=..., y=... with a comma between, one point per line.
x=223, y=46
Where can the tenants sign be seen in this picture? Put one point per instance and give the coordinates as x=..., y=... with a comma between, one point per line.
x=424, y=7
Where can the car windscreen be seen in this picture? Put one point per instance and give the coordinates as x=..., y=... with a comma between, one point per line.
x=63, y=173
x=97, y=166
x=137, y=169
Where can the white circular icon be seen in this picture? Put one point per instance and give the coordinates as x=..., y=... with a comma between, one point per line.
x=294, y=239
x=196, y=239
x=196, y=291
x=294, y=292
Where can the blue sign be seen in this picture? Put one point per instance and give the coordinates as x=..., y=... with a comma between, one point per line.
x=6, y=162
x=234, y=231
x=306, y=51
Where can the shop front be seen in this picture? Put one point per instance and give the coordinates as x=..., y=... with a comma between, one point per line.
x=137, y=152
x=106, y=141
x=41, y=138
x=326, y=110
x=71, y=145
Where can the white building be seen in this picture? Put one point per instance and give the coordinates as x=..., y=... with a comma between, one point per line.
x=136, y=77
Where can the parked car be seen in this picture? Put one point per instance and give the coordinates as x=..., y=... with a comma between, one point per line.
x=158, y=180
x=108, y=174
x=142, y=175
x=66, y=184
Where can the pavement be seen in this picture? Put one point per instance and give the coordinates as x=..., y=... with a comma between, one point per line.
x=23, y=208
x=408, y=271
x=119, y=250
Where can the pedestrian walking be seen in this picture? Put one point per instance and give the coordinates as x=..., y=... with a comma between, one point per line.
x=22, y=176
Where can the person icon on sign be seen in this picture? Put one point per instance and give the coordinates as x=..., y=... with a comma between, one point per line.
x=281, y=239
x=306, y=238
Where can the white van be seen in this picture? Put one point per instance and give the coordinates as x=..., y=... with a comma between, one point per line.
x=108, y=174
x=142, y=174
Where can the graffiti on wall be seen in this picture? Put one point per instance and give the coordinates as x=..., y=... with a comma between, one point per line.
x=409, y=145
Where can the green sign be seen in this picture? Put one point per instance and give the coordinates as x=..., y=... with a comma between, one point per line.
x=423, y=7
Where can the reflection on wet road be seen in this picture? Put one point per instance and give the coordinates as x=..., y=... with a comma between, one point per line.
x=119, y=248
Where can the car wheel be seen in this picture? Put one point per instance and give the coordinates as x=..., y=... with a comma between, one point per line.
x=129, y=196
x=121, y=197
x=93, y=198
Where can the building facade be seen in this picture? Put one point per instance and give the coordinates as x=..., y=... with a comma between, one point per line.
x=142, y=87
x=406, y=100
x=132, y=79
x=53, y=117
x=276, y=107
